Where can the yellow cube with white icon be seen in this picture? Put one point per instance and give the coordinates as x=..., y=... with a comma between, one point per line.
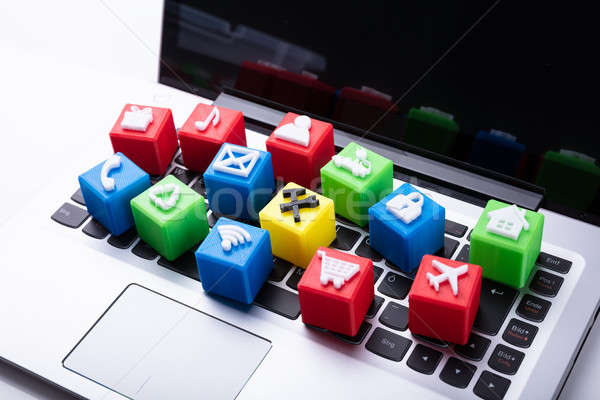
x=299, y=221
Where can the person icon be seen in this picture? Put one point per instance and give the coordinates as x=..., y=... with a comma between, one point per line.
x=297, y=132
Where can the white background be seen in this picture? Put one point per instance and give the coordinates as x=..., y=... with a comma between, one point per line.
x=100, y=38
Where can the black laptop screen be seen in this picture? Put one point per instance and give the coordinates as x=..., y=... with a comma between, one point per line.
x=502, y=85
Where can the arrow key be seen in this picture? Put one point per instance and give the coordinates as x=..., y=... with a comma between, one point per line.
x=424, y=359
x=457, y=373
x=475, y=348
x=490, y=386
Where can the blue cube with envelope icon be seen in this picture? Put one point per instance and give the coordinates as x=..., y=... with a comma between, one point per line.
x=108, y=189
x=235, y=260
x=405, y=225
x=239, y=181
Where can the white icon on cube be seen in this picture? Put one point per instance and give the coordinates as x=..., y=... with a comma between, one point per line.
x=228, y=162
x=407, y=208
x=137, y=119
x=297, y=132
x=233, y=235
x=108, y=183
x=158, y=190
x=507, y=222
x=358, y=166
x=214, y=115
x=335, y=270
x=448, y=273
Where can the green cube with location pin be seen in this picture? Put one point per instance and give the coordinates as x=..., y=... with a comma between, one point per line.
x=170, y=217
x=355, y=179
x=506, y=242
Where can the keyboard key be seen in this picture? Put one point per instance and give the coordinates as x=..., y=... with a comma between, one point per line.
x=364, y=249
x=388, y=345
x=278, y=300
x=533, y=308
x=374, y=307
x=433, y=341
x=365, y=327
x=144, y=250
x=519, y=333
x=70, y=215
x=494, y=304
x=179, y=159
x=454, y=228
x=293, y=280
x=463, y=255
x=124, y=240
x=280, y=269
x=505, y=360
x=155, y=178
x=199, y=187
x=184, y=175
x=457, y=373
x=545, y=283
x=395, y=316
x=424, y=359
x=77, y=197
x=184, y=264
x=95, y=229
x=490, y=386
x=410, y=274
x=344, y=220
x=450, y=246
x=554, y=263
x=377, y=271
x=395, y=286
x=475, y=348
x=345, y=238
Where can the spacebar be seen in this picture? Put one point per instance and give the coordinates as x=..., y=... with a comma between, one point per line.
x=278, y=300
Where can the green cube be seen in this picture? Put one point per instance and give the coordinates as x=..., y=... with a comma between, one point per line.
x=353, y=194
x=506, y=243
x=430, y=129
x=171, y=232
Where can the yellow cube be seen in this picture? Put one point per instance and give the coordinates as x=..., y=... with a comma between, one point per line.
x=299, y=221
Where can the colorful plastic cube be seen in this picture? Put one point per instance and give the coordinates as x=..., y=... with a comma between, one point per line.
x=443, y=299
x=147, y=136
x=506, y=242
x=405, y=226
x=108, y=189
x=239, y=181
x=498, y=151
x=170, y=217
x=300, y=146
x=355, y=179
x=234, y=260
x=431, y=129
x=336, y=290
x=299, y=221
x=205, y=131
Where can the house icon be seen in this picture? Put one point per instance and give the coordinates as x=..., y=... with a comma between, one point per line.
x=507, y=222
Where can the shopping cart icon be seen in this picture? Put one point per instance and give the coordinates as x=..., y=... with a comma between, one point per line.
x=335, y=270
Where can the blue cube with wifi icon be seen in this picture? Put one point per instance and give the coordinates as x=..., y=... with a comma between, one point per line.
x=108, y=189
x=239, y=182
x=235, y=260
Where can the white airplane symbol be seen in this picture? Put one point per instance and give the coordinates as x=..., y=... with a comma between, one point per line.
x=448, y=273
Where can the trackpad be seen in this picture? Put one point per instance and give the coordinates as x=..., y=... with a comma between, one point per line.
x=147, y=346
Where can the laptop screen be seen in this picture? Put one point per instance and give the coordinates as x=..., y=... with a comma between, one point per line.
x=501, y=85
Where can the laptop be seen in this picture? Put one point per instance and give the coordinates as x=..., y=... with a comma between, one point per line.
x=106, y=317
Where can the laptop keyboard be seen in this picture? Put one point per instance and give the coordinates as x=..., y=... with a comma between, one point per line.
x=384, y=332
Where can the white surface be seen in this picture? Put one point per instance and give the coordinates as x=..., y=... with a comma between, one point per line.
x=448, y=273
x=170, y=189
x=235, y=165
x=297, y=132
x=508, y=222
x=233, y=235
x=335, y=270
x=43, y=55
x=113, y=162
x=137, y=119
x=213, y=116
x=406, y=208
x=358, y=166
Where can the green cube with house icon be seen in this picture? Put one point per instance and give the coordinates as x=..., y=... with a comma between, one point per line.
x=506, y=242
x=170, y=217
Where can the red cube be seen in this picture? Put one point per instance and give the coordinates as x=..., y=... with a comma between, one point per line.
x=434, y=309
x=300, y=147
x=146, y=135
x=336, y=291
x=200, y=138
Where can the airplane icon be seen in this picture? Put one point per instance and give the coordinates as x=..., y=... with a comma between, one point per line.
x=448, y=273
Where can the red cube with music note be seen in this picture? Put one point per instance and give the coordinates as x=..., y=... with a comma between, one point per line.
x=205, y=131
x=444, y=299
x=147, y=136
x=300, y=146
x=336, y=291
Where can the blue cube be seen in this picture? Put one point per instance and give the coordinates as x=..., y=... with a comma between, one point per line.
x=400, y=233
x=108, y=193
x=239, y=181
x=234, y=260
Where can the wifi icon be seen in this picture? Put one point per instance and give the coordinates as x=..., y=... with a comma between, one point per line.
x=232, y=235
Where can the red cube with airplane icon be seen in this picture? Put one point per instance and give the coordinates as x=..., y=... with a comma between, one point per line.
x=444, y=299
x=145, y=135
x=205, y=131
x=299, y=147
x=336, y=291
